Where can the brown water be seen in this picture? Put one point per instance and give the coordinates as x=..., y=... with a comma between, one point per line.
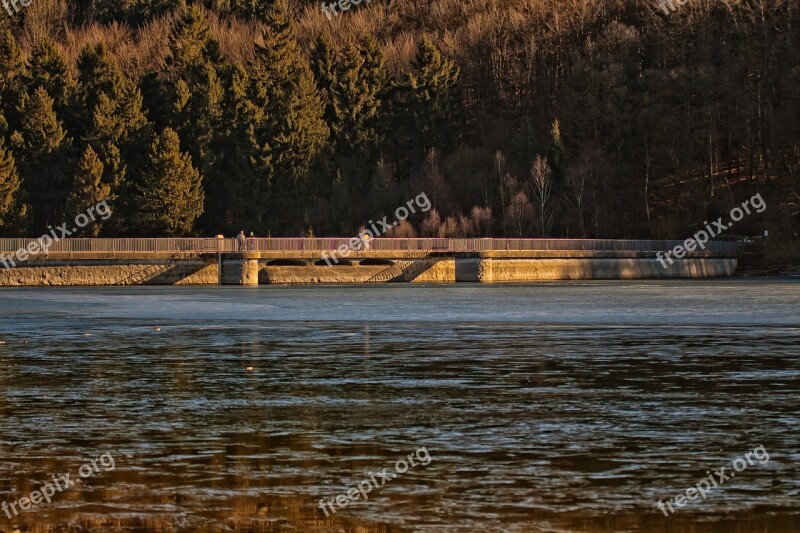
x=548, y=407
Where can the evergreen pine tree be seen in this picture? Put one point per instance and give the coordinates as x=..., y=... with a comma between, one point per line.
x=196, y=92
x=357, y=103
x=353, y=85
x=171, y=195
x=286, y=126
x=434, y=83
x=97, y=75
x=41, y=146
x=106, y=129
x=188, y=42
x=11, y=64
x=374, y=65
x=107, y=106
x=426, y=107
x=234, y=165
x=88, y=190
x=47, y=68
x=324, y=69
x=107, y=113
x=11, y=210
x=205, y=128
x=12, y=68
x=353, y=107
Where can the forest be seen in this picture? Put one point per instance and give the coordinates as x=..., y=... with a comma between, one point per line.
x=520, y=118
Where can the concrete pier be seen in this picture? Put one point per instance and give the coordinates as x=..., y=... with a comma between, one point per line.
x=240, y=269
x=442, y=262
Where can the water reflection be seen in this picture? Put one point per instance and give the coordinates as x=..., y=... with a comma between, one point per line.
x=530, y=425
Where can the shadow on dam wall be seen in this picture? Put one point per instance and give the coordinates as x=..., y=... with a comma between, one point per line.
x=102, y=273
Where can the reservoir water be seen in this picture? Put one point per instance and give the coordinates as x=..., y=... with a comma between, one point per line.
x=546, y=407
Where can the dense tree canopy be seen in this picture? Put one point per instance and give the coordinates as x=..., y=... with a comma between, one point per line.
x=527, y=117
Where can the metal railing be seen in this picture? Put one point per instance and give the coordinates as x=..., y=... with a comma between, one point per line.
x=213, y=245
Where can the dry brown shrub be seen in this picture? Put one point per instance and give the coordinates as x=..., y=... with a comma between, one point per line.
x=449, y=229
x=403, y=230
x=400, y=52
x=43, y=18
x=118, y=39
x=375, y=19
x=141, y=50
x=236, y=37
x=153, y=46
x=468, y=39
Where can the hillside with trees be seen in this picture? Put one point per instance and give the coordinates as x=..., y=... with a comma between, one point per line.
x=573, y=118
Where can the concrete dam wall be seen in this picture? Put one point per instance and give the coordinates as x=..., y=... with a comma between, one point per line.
x=114, y=268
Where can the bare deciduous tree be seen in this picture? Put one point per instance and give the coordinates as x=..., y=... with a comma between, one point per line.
x=580, y=176
x=430, y=226
x=519, y=214
x=481, y=221
x=542, y=175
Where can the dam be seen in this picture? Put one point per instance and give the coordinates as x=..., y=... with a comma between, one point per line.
x=262, y=261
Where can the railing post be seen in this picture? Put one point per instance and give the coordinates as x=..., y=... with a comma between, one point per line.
x=220, y=247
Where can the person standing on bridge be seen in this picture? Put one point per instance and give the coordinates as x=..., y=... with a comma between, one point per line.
x=241, y=240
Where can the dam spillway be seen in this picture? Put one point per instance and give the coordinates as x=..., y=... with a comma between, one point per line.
x=257, y=261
